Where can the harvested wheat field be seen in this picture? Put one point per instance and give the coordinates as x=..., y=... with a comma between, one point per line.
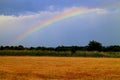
x=59, y=68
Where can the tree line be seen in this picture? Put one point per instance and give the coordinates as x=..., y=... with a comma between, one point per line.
x=92, y=46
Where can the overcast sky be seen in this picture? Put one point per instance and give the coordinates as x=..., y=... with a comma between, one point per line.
x=18, y=16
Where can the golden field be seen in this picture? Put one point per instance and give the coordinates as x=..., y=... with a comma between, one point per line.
x=59, y=68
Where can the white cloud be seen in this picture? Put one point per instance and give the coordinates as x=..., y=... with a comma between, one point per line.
x=49, y=14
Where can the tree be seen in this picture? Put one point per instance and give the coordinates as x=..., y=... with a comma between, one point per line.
x=1, y=47
x=114, y=48
x=20, y=47
x=7, y=48
x=94, y=46
x=73, y=49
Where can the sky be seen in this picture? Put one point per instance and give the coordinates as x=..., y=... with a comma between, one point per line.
x=54, y=23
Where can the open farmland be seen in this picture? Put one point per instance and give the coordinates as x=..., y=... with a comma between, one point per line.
x=65, y=68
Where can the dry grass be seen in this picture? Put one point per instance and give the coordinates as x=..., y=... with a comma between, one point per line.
x=62, y=68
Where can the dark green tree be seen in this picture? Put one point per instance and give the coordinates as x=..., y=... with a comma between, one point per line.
x=94, y=46
x=1, y=47
x=20, y=47
x=7, y=48
x=74, y=49
x=113, y=48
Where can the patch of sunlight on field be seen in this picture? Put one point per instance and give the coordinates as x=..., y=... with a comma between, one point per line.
x=38, y=68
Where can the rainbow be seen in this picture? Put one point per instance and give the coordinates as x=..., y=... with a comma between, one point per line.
x=63, y=15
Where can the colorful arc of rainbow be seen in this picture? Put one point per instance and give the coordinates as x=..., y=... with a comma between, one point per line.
x=57, y=18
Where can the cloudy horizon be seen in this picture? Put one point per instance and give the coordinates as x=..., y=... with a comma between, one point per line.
x=18, y=16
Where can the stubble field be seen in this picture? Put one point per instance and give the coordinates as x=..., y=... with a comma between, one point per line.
x=59, y=68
